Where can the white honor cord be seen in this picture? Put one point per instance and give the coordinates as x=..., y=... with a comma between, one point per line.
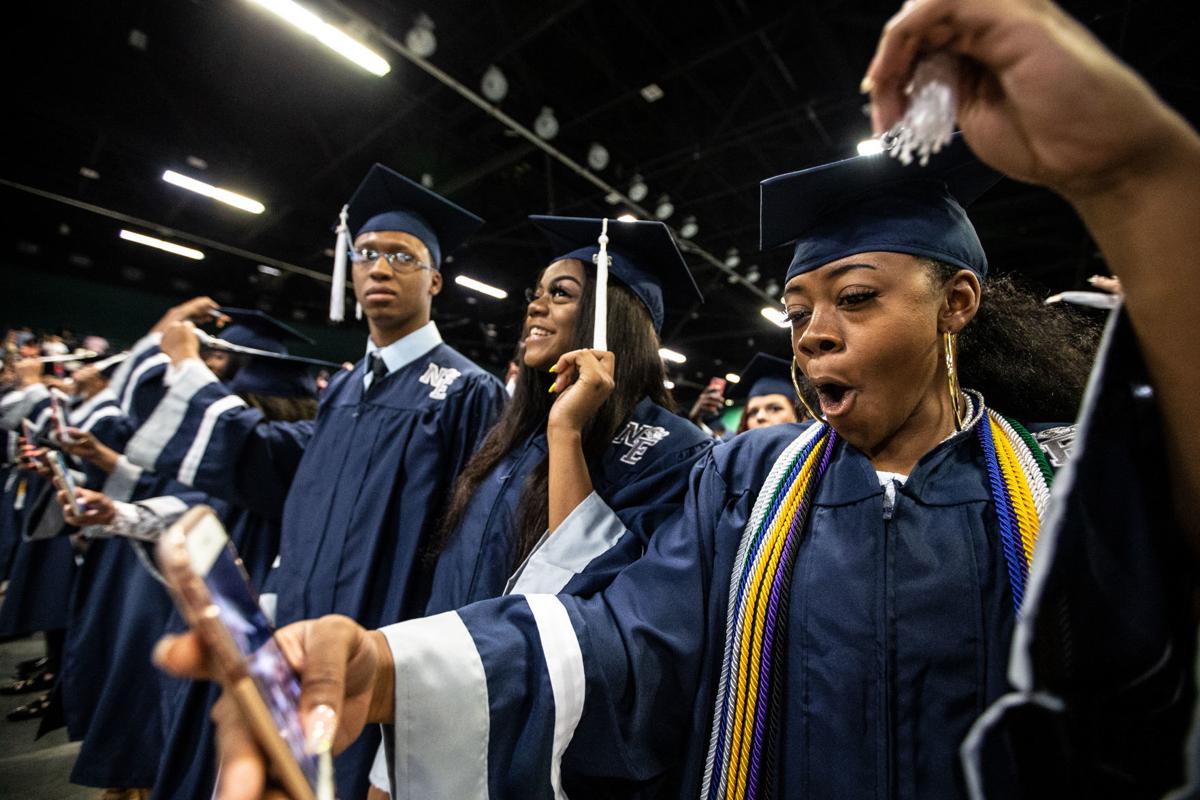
x=600, y=329
x=337, y=292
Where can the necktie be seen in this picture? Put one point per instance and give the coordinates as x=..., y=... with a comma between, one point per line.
x=379, y=369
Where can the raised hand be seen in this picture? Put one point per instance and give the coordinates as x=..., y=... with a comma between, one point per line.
x=1039, y=98
x=584, y=381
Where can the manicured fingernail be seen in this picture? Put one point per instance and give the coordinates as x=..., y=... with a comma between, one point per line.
x=322, y=724
x=159, y=655
x=1093, y=279
x=554, y=368
x=866, y=85
x=552, y=387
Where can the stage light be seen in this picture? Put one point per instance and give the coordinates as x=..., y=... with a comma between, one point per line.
x=546, y=126
x=160, y=244
x=336, y=40
x=420, y=38
x=597, y=156
x=480, y=286
x=638, y=189
x=689, y=228
x=733, y=377
x=215, y=192
x=870, y=147
x=664, y=209
x=672, y=356
x=627, y=217
x=494, y=85
x=732, y=259
x=776, y=315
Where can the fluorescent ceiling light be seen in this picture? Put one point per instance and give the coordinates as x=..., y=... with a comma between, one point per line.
x=671, y=355
x=216, y=193
x=627, y=218
x=333, y=38
x=733, y=377
x=870, y=147
x=776, y=315
x=170, y=247
x=266, y=270
x=481, y=287
x=669, y=384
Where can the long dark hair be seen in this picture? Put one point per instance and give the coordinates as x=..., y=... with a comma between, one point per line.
x=1031, y=361
x=638, y=374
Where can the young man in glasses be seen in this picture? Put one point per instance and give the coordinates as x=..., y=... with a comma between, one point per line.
x=359, y=488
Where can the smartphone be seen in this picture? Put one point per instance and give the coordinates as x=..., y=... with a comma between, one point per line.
x=56, y=416
x=718, y=384
x=63, y=477
x=206, y=579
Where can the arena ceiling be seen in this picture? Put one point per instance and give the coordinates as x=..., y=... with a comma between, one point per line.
x=103, y=97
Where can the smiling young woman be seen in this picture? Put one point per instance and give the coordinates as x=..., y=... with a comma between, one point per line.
x=602, y=452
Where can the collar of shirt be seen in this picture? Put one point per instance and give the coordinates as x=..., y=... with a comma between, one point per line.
x=404, y=351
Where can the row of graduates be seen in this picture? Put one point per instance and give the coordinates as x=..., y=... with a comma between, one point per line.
x=803, y=611
x=418, y=487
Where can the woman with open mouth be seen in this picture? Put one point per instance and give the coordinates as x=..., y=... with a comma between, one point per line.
x=832, y=613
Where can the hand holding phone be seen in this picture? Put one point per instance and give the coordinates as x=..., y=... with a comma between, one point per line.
x=63, y=478
x=213, y=594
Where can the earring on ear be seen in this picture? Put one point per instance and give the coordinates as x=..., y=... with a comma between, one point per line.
x=799, y=394
x=950, y=346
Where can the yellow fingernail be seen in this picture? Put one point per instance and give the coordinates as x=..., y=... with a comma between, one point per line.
x=554, y=368
x=552, y=387
x=866, y=86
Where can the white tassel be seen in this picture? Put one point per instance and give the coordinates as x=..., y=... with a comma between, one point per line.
x=337, y=292
x=600, y=328
x=357, y=310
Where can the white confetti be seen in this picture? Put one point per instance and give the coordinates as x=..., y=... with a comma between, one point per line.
x=928, y=124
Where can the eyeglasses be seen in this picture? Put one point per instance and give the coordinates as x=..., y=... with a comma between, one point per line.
x=400, y=261
x=558, y=295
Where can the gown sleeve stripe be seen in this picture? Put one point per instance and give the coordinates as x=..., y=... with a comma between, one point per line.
x=152, y=438
x=564, y=663
x=121, y=378
x=195, y=454
x=442, y=712
x=142, y=368
x=123, y=480
x=589, y=531
x=103, y=413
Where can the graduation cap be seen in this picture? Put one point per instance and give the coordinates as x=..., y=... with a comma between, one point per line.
x=388, y=201
x=762, y=376
x=284, y=376
x=250, y=327
x=875, y=203
x=643, y=256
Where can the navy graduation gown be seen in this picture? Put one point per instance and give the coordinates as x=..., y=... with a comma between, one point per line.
x=359, y=489
x=1103, y=662
x=638, y=482
x=898, y=628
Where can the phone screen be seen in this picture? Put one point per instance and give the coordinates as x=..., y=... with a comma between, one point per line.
x=214, y=559
x=58, y=465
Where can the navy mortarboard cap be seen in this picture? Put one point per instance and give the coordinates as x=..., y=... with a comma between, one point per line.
x=24, y=337
x=252, y=328
x=875, y=203
x=643, y=257
x=762, y=376
x=275, y=377
x=388, y=201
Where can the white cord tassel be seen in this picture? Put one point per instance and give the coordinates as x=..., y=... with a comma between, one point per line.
x=600, y=328
x=357, y=310
x=337, y=292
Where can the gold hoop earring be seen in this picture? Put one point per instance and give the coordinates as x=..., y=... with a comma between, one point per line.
x=800, y=395
x=950, y=346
